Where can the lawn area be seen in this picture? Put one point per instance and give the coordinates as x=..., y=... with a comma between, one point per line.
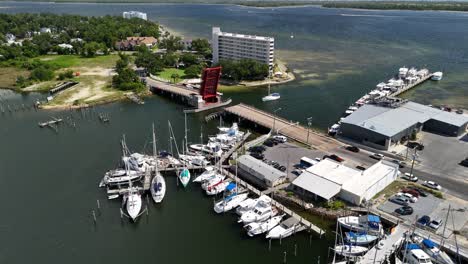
x=8, y=76
x=68, y=61
x=167, y=73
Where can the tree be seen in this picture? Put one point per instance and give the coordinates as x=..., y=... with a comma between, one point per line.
x=151, y=62
x=42, y=74
x=201, y=46
x=189, y=59
x=244, y=69
x=193, y=71
x=90, y=49
x=170, y=59
x=65, y=75
x=21, y=81
x=175, y=77
x=171, y=44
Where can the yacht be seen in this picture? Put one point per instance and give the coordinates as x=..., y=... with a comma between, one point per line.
x=211, y=148
x=360, y=238
x=230, y=202
x=402, y=72
x=213, y=181
x=260, y=213
x=249, y=204
x=196, y=160
x=365, y=223
x=413, y=254
x=350, y=250
x=284, y=229
x=257, y=228
x=206, y=175
x=437, y=76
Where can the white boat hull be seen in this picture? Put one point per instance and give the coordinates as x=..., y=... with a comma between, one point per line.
x=348, y=251
x=227, y=205
x=158, y=188
x=134, y=205
x=256, y=228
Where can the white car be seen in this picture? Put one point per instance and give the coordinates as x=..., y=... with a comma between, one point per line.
x=435, y=224
x=408, y=196
x=432, y=185
x=281, y=139
x=378, y=156
x=410, y=177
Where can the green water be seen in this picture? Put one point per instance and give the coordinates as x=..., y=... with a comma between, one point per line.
x=49, y=180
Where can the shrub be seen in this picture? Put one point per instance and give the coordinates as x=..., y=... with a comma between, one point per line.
x=42, y=74
x=335, y=205
x=65, y=75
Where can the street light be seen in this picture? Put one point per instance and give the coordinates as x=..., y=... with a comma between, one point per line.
x=274, y=118
x=309, y=124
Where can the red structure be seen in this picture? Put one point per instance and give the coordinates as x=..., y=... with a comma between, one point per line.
x=209, y=84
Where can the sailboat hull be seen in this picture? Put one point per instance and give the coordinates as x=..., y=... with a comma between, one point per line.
x=158, y=188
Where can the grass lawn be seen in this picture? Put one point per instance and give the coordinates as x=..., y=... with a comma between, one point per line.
x=8, y=76
x=68, y=61
x=166, y=74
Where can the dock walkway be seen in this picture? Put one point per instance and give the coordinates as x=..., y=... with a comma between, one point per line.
x=412, y=85
x=282, y=126
x=390, y=244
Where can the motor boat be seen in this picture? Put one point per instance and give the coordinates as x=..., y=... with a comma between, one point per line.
x=284, y=229
x=213, y=181
x=271, y=97
x=360, y=238
x=256, y=228
x=133, y=199
x=413, y=254
x=249, y=204
x=211, y=148
x=120, y=180
x=230, y=202
x=158, y=188
x=402, y=72
x=437, y=76
x=350, y=250
x=434, y=252
x=365, y=223
x=206, y=175
x=260, y=213
x=217, y=188
x=184, y=177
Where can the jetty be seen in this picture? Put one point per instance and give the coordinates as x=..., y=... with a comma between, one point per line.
x=279, y=125
x=50, y=122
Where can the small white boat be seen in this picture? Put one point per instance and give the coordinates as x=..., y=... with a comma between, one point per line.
x=206, y=175
x=437, y=76
x=133, y=203
x=285, y=229
x=210, y=148
x=260, y=213
x=271, y=96
x=217, y=188
x=196, y=160
x=360, y=238
x=213, y=181
x=365, y=223
x=112, y=196
x=257, y=228
x=230, y=202
x=184, y=177
x=158, y=188
x=130, y=176
x=249, y=204
x=350, y=250
x=437, y=255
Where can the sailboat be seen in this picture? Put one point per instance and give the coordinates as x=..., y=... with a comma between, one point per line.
x=158, y=184
x=271, y=96
x=184, y=177
x=133, y=197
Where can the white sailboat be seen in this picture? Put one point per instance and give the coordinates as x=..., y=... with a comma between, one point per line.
x=350, y=250
x=158, y=184
x=133, y=203
x=213, y=181
x=229, y=203
x=257, y=228
x=217, y=188
x=271, y=96
x=209, y=173
x=184, y=177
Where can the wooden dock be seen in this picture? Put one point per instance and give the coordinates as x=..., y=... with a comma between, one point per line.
x=412, y=85
x=50, y=122
x=282, y=126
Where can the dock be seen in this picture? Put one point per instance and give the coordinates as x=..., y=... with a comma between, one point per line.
x=412, y=85
x=62, y=86
x=284, y=127
x=390, y=244
x=50, y=122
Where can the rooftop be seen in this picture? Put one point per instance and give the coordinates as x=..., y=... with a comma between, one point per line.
x=390, y=121
x=243, y=36
x=333, y=171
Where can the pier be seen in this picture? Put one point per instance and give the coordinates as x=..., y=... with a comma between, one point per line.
x=411, y=85
x=282, y=126
x=50, y=122
x=390, y=244
x=62, y=86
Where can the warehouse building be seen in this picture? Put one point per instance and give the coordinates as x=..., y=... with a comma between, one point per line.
x=259, y=173
x=383, y=127
x=328, y=179
x=234, y=46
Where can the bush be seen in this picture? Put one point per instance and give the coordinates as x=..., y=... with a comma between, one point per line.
x=42, y=74
x=193, y=71
x=65, y=75
x=335, y=205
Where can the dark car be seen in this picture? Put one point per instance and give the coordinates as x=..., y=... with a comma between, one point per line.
x=257, y=149
x=257, y=155
x=352, y=148
x=415, y=145
x=282, y=168
x=334, y=157
x=464, y=162
x=276, y=165
x=405, y=210
x=411, y=191
x=360, y=168
x=268, y=143
x=401, y=164
x=424, y=221
x=420, y=191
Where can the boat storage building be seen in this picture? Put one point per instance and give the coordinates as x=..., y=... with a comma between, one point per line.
x=381, y=127
x=328, y=179
x=259, y=173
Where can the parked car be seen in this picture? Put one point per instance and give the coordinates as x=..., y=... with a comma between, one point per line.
x=420, y=191
x=257, y=155
x=410, y=177
x=424, y=220
x=279, y=138
x=405, y=210
x=297, y=172
x=416, y=145
x=411, y=191
x=408, y=196
x=435, y=224
x=334, y=157
x=352, y=148
x=464, y=162
x=282, y=168
x=399, y=200
x=257, y=149
x=269, y=143
x=360, y=168
x=276, y=165
x=401, y=164
x=377, y=156
x=432, y=185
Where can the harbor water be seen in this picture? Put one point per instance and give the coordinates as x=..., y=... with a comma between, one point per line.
x=49, y=179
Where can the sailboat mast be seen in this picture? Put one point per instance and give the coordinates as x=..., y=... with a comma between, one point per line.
x=185, y=121
x=155, y=152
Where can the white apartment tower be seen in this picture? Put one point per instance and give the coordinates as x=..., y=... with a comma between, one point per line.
x=132, y=14
x=238, y=46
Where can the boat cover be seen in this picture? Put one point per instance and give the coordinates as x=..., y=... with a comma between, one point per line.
x=373, y=218
x=231, y=186
x=412, y=246
x=429, y=243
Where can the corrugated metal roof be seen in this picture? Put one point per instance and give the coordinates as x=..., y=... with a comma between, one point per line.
x=260, y=167
x=317, y=185
x=390, y=121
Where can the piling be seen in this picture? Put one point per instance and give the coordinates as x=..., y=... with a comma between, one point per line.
x=269, y=244
x=98, y=205
x=295, y=250
x=94, y=216
x=284, y=257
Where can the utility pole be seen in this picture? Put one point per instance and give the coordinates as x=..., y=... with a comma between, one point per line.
x=274, y=119
x=412, y=163
x=309, y=124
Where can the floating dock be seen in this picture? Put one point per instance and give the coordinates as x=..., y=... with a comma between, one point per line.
x=282, y=126
x=50, y=122
x=412, y=85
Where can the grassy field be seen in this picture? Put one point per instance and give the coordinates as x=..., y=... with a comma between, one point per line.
x=8, y=76
x=69, y=61
x=167, y=73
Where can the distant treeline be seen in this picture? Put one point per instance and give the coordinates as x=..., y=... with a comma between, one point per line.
x=414, y=5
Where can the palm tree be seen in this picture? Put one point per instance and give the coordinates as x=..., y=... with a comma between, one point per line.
x=175, y=77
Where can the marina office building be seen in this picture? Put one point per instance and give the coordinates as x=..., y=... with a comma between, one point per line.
x=382, y=127
x=239, y=46
x=328, y=179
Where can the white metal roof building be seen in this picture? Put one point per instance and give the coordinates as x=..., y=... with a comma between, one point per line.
x=380, y=126
x=329, y=178
x=260, y=172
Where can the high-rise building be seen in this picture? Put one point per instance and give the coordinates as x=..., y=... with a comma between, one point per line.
x=238, y=46
x=132, y=14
